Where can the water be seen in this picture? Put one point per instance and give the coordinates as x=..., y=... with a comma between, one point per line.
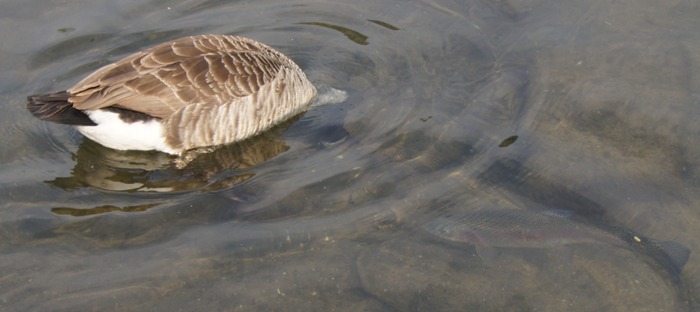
x=327, y=212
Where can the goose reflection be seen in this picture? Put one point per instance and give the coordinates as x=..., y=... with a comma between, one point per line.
x=137, y=171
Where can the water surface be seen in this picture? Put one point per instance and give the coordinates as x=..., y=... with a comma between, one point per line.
x=454, y=106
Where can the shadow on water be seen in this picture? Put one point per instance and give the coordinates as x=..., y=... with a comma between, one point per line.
x=513, y=177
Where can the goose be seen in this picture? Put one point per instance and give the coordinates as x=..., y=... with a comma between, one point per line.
x=189, y=93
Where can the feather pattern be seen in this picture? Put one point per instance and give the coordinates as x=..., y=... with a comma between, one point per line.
x=204, y=90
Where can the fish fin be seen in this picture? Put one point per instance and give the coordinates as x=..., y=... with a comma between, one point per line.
x=677, y=252
x=561, y=213
x=487, y=254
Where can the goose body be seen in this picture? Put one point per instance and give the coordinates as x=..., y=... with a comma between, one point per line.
x=188, y=93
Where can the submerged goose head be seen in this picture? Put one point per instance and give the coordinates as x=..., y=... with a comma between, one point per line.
x=188, y=93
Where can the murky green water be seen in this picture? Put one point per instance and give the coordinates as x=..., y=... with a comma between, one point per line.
x=326, y=212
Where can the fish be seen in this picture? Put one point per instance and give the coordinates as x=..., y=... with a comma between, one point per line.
x=529, y=228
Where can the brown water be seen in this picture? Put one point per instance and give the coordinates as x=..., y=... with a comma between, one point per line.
x=326, y=212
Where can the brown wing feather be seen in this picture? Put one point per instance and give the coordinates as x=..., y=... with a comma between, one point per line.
x=210, y=69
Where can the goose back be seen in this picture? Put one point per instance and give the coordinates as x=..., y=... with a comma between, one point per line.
x=206, y=90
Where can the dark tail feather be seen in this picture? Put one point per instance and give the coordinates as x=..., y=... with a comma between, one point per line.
x=56, y=108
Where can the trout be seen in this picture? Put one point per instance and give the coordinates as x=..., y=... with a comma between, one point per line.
x=523, y=228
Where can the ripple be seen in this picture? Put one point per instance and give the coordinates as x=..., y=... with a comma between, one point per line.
x=339, y=195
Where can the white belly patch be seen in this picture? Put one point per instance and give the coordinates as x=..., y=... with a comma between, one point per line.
x=114, y=133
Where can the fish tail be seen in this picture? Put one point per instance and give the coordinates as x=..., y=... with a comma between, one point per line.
x=677, y=253
x=672, y=256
